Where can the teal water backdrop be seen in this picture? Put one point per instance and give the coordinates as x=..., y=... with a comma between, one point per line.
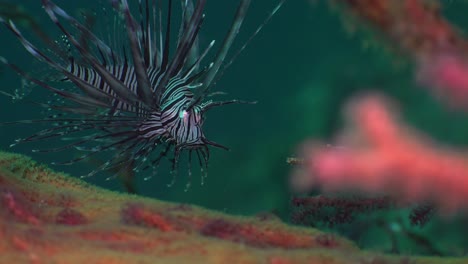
x=301, y=68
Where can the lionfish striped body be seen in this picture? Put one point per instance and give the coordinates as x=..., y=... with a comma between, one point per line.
x=138, y=100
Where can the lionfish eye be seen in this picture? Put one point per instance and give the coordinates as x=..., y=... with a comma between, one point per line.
x=183, y=114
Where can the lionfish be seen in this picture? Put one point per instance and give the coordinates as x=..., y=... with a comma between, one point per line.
x=141, y=96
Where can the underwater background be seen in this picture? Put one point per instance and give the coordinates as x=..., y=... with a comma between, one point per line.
x=302, y=68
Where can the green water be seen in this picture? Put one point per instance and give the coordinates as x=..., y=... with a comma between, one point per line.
x=301, y=68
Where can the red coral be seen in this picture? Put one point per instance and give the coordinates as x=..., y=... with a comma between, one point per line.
x=327, y=241
x=139, y=215
x=418, y=28
x=18, y=207
x=255, y=236
x=71, y=217
x=447, y=74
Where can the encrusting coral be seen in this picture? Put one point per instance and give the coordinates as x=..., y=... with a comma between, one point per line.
x=46, y=217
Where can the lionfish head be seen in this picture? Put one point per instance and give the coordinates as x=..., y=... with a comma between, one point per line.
x=193, y=117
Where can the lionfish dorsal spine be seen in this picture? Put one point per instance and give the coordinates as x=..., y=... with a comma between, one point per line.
x=144, y=90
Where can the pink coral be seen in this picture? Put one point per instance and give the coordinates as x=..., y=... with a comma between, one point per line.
x=448, y=74
x=378, y=155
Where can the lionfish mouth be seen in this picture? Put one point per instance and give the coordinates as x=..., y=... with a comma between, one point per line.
x=117, y=86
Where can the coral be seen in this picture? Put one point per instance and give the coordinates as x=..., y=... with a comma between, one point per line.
x=416, y=26
x=332, y=211
x=376, y=154
x=48, y=217
x=421, y=214
x=419, y=30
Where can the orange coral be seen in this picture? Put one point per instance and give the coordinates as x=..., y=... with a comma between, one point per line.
x=379, y=155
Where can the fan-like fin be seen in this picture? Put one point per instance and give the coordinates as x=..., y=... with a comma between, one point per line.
x=144, y=90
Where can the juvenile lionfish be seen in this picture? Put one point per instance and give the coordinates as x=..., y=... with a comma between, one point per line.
x=135, y=97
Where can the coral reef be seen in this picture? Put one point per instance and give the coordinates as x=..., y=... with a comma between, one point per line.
x=47, y=217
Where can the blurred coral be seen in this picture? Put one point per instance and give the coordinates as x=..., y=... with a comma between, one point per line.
x=419, y=29
x=378, y=155
x=447, y=74
x=334, y=210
